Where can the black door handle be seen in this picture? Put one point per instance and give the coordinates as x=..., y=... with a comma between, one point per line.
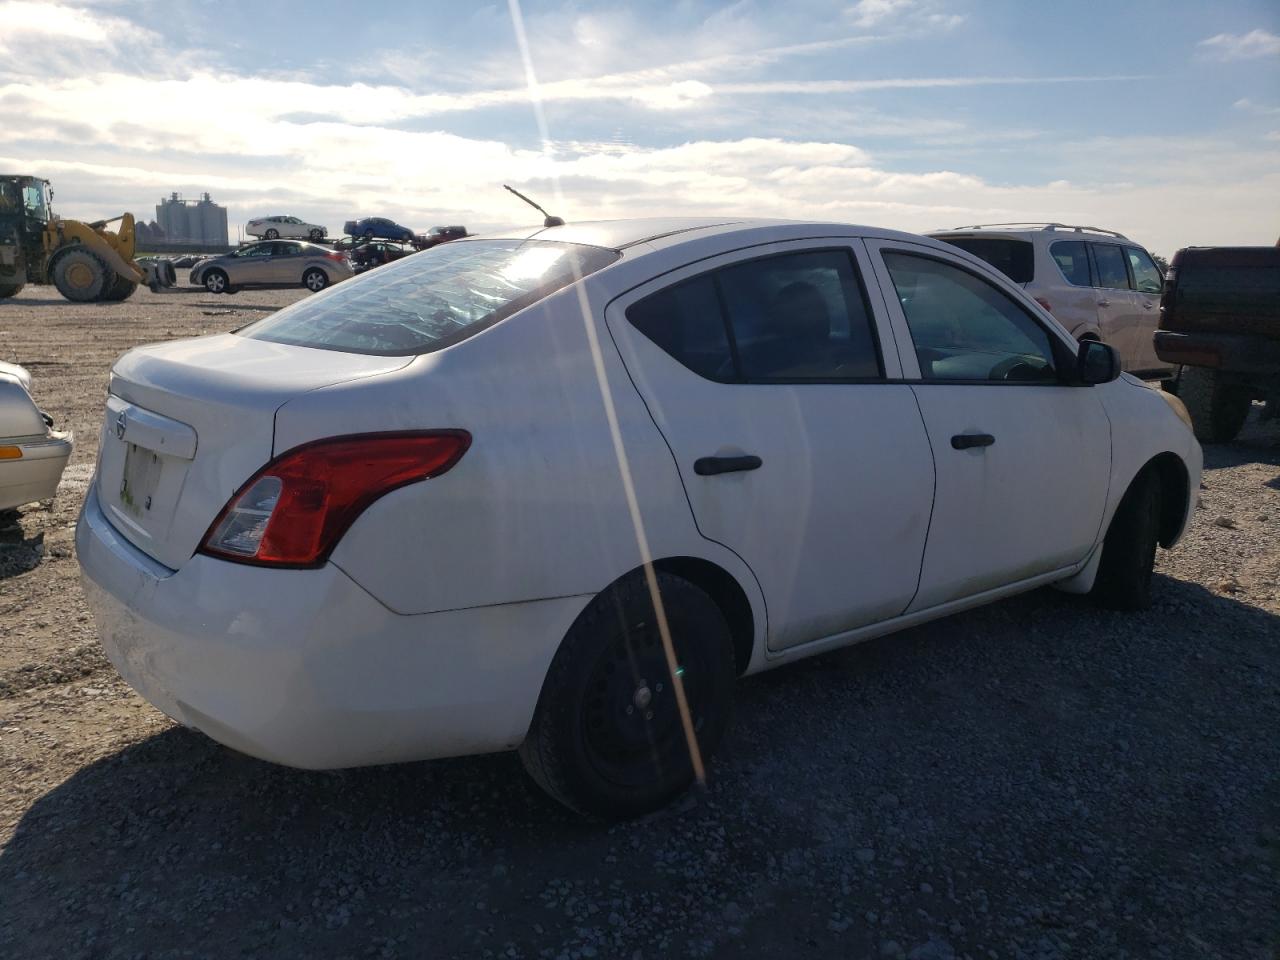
x=710, y=466
x=963, y=441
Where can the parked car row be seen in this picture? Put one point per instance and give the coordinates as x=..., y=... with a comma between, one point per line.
x=379, y=526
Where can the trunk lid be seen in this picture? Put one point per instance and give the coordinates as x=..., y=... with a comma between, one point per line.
x=187, y=422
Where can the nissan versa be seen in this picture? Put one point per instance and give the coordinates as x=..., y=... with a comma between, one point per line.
x=556, y=490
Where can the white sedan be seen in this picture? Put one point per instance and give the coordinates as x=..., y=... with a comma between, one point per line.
x=555, y=490
x=32, y=453
x=274, y=228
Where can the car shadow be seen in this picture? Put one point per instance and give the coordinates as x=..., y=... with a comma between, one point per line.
x=18, y=553
x=177, y=844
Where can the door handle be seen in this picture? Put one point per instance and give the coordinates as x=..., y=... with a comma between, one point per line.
x=710, y=466
x=1104, y=303
x=964, y=441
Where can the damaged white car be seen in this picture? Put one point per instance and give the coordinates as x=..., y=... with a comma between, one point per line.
x=32, y=453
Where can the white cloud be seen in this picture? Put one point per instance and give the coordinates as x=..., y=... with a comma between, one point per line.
x=1241, y=46
x=868, y=13
x=1259, y=109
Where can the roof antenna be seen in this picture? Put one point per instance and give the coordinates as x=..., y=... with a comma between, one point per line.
x=549, y=220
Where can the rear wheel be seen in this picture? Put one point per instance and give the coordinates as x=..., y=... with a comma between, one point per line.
x=10, y=289
x=317, y=235
x=215, y=281
x=315, y=280
x=272, y=234
x=122, y=289
x=81, y=277
x=1129, y=550
x=1218, y=410
x=608, y=738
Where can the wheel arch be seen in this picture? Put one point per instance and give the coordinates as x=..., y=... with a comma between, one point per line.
x=725, y=592
x=1175, y=503
x=1175, y=500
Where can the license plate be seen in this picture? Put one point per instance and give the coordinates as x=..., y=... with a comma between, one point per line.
x=141, y=477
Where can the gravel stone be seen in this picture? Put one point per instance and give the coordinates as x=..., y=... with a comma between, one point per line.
x=1074, y=783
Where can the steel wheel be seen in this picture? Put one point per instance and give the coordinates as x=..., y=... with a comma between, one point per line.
x=608, y=738
x=630, y=718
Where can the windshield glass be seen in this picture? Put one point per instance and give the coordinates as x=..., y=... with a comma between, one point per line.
x=432, y=299
x=33, y=200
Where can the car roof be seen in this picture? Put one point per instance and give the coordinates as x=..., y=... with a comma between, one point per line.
x=664, y=231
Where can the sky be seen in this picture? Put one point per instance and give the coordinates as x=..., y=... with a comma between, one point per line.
x=1157, y=119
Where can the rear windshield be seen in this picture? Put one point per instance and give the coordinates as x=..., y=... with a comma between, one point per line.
x=1014, y=258
x=431, y=299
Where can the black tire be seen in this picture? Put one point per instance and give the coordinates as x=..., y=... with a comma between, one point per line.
x=10, y=290
x=316, y=236
x=368, y=233
x=81, y=277
x=315, y=279
x=1218, y=409
x=216, y=281
x=1129, y=550
x=607, y=738
x=272, y=234
x=122, y=289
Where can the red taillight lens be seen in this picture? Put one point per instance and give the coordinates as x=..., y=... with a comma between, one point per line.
x=334, y=255
x=294, y=510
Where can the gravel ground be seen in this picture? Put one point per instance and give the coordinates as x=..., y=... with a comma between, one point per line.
x=1035, y=779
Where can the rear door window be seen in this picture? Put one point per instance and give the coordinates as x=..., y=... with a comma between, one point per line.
x=686, y=322
x=1014, y=258
x=1146, y=275
x=792, y=317
x=1109, y=261
x=1072, y=258
x=800, y=316
x=434, y=299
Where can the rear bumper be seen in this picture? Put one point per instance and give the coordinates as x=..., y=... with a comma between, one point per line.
x=1236, y=353
x=304, y=668
x=35, y=475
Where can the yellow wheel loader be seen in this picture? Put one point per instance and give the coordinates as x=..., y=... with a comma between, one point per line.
x=85, y=261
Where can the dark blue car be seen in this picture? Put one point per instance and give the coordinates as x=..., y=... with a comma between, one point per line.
x=379, y=227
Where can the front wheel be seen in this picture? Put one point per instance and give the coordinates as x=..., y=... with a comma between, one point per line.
x=81, y=277
x=608, y=737
x=215, y=281
x=272, y=234
x=315, y=280
x=1129, y=550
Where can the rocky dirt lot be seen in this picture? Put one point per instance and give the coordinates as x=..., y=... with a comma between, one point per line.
x=1036, y=779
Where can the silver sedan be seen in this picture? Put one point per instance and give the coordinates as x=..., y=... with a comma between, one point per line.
x=272, y=263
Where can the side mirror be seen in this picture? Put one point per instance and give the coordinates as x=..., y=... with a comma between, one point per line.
x=1096, y=362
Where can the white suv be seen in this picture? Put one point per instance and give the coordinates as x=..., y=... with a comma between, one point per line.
x=1098, y=284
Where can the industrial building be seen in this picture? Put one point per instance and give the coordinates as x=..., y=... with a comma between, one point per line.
x=192, y=221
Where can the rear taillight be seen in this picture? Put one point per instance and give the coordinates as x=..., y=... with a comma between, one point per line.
x=1044, y=303
x=294, y=510
x=334, y=255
